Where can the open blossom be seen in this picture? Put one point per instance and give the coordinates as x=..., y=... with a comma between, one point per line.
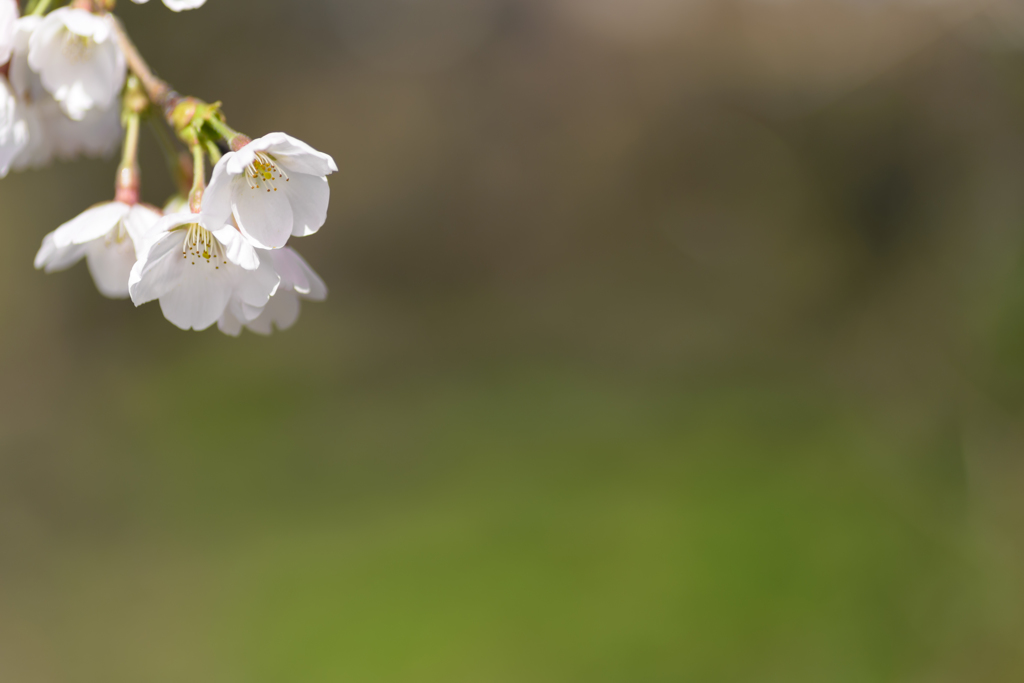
x=243, y=309
x=64, y=92
x=8, y=22
x=177, y=5
x=98, y=134
x=196, y=272
x=275, y=187
x=298, y=281
x=25, y=81
x=14, y=130
x=109, y=236
x=51, y=134
x=36, y=106
x=78, y=60
x=40, y=118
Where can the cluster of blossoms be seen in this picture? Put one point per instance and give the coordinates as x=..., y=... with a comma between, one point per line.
x=72, y=83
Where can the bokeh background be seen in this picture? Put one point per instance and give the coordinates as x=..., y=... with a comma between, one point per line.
x=668, y=340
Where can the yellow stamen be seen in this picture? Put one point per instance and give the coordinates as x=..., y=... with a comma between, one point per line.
x=200, y=243
x=264, y=172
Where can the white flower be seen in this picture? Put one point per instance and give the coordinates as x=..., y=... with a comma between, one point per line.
x=25, y=81
x=40, y=118
x=8, y=23
x=275, y=187
x=98, y=134
x=50, y=133
x=196, y=272
x=243, y=308
x=14, y=129
x=108, y=235
x=176, y=204
x=177, y=5
x=78, y=60
x=298, y=281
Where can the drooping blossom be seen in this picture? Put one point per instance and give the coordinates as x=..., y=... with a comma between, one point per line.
x=298, y=281
x=51, y=134
x=274, y=186
x=40, y=119
x=8, y=22
x=25, y=81
x=62, y=74
x=78, y=60
x=109, y=236
x=177, y=5
x=97, y=135
x=14, y=130
x=196, y=268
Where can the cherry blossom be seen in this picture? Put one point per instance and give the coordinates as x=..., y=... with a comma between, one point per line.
x=298, y=281
x=78, y=60
x=177, y=5
x=51, y=134
x=8, y=22
x=109, y=236
x=275, y=187
x=196, y=268
x=14, y=129
x=73, y=83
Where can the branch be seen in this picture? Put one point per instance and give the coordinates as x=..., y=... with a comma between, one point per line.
x=159, y=92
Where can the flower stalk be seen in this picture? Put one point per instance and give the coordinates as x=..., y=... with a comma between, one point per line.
x=179, y=162
x=195, y=197
x=159, y=92
x=128, y=175
x=38, y=7
x=235, y=140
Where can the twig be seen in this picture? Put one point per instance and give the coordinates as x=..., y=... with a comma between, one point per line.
x=159, y=92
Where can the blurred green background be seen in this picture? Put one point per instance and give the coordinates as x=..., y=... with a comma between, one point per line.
x=668, y=340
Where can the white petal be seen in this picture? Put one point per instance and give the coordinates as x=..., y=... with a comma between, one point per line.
x=255, y=288
x=309, y=196
x=8, y=28
x=160, y=270
x=85, y=24
x=14, y=128
x=98, y=134
x=110, y=264
x=296, y=156
x=77, y=60
x=217, y=198
x=281, y=312
x=265, y=218
x=198, y=300
x=179, y=5
x=54, y=258
x=176, y=204
x=40, y=148
x=25, y=81
x=297, y=275
x=238, y=249
x=229, y=324
x=234, y=163
x=141, y=223
x=90, y=224
x=174, y=220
